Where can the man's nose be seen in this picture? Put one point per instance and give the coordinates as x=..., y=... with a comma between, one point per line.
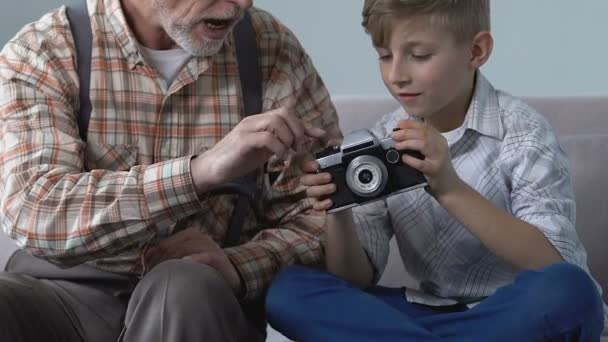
x=244, y=4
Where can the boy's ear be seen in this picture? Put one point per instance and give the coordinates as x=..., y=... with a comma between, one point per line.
x=481, y=48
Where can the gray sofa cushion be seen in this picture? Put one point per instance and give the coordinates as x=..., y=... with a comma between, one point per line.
x=588, y=156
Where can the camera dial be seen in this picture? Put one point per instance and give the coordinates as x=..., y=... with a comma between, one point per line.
x=392, y=156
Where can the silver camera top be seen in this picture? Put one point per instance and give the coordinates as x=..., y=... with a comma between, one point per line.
x=387, y=143
x=358, y=138
x=353, y=140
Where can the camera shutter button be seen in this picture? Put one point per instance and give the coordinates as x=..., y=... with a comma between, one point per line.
x=392, y=156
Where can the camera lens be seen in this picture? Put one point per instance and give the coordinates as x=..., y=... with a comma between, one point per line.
x=366, y=176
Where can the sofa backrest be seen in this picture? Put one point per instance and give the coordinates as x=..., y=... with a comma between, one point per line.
x=582, y=127
x=581, y=124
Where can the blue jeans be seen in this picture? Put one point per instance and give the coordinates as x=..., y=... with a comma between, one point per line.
x=557, y=303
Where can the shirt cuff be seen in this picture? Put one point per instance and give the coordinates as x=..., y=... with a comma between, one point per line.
x=169, y=192
x=254, y=268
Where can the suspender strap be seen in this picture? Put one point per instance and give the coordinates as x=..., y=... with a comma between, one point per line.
x=251, y=85
x=80, y=24
x=249, y=71
x=251, y=89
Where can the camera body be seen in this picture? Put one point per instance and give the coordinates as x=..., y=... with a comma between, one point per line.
x=365, y=169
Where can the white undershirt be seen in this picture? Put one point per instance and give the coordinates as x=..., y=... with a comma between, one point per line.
x=168, y=63
x=454, y=135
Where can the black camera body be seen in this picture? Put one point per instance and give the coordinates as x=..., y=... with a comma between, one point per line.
x=365, y=170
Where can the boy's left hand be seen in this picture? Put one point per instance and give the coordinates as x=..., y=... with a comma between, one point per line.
x=437, y=166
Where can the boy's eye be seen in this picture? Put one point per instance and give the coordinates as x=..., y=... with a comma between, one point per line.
x=384, y=58
x=421, y=56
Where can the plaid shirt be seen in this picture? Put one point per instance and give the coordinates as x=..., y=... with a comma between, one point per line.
x=102, y=202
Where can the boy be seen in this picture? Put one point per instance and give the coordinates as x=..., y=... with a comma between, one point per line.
x=492, y=240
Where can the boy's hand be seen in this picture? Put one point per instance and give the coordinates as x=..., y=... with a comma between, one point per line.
x=344, y=254
x=319, y=185
x=437, y=166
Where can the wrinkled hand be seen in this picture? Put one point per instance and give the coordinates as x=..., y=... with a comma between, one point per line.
x=320, y=185
x=192, y=244
x=250, y=144
x=437, y=166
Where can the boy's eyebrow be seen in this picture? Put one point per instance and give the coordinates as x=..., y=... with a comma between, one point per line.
x=410, y=44
x=415, y=43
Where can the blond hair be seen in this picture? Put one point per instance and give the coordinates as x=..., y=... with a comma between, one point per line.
x=463, y=18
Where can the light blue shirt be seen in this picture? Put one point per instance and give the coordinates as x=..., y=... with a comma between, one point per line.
x=508, y=153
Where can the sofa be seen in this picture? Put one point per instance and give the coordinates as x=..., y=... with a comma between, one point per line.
x=582, y=127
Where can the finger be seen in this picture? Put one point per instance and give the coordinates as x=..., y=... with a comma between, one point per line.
x=187, y=248
x=289, y=117
x=413, y=144
x=322, y=205
x=148, y=253
x=188, y=225
x=315, y=179
x=321, y=191
x=177, y=238
x=201, y=258
x=418, y=164
x=174, y=246
x=285, y=135
x=269, y=142
x=277, y=127
x=153, y=257
x=314, y=132
x=310, y=166
x=410, y=124
x=404, y=134
x=208, y=243
x=314, y=136
x=157, y=255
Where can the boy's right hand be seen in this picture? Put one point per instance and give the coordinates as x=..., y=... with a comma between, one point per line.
x=320, y=185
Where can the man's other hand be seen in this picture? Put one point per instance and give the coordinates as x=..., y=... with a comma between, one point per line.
x=193, y=244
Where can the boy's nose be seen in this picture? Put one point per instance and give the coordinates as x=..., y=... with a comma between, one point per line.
x=398, y=76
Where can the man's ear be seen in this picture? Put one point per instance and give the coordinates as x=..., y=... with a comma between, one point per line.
x=481, y=48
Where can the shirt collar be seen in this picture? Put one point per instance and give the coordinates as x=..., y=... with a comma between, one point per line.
x=484, y=114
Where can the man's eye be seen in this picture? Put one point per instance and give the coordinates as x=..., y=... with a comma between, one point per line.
x=384, y=58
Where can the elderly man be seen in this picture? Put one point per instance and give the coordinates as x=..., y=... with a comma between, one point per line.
x=128, y=214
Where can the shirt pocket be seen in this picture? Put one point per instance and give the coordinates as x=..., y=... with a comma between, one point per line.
x=110, y=157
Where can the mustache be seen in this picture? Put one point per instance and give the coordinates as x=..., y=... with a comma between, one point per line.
x=235, y=13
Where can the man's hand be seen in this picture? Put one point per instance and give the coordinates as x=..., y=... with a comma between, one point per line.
x=437, y=166
x=192, y=244
x=250, y=144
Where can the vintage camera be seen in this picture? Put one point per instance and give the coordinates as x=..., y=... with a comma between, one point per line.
x=365, y=170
